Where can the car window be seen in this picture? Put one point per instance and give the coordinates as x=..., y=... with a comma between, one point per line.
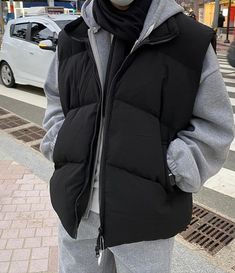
x=40, y=32
x=19, y=31
x=62, y=23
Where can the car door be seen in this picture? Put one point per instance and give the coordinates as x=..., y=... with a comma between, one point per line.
x=15, y=46
x=39, y=60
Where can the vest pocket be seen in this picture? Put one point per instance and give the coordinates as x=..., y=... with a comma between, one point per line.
x=75, y=135
x=66, y=184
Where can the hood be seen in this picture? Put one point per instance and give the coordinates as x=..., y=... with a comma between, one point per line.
x=159, y=12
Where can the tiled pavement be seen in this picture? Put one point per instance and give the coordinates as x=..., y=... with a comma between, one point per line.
x=28, y=224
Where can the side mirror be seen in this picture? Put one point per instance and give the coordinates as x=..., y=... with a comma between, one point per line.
x=47, y=45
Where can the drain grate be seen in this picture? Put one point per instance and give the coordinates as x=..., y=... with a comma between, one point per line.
x=209, y=230
x=11, y=122
x=36, y=147
x=29, y=134
x=3, y=112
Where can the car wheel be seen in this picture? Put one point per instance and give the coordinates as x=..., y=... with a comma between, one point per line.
x=7, y=76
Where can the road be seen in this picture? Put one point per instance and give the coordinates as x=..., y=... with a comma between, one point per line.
x=30, y=103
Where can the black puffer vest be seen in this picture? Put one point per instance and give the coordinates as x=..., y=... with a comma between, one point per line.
x=151, y=98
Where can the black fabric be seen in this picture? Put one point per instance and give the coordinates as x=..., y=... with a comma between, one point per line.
x=118, y=52
x=125, y=24
x=150, y=100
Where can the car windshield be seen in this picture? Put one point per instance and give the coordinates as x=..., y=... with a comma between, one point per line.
x=62, y=23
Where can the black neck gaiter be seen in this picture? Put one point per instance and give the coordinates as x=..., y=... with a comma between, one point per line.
x=125, y=25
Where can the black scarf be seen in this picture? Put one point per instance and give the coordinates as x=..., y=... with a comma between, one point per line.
x=124, y=24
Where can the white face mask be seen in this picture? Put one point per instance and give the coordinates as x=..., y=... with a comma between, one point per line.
x=122, y=3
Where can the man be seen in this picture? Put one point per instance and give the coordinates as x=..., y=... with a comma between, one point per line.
x=138, y=118
x=221, y=20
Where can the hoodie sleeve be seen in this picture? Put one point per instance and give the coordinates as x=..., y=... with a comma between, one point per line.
x=200, y=151
x=54, y=116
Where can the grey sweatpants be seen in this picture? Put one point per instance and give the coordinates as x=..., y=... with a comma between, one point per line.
x=78, y=256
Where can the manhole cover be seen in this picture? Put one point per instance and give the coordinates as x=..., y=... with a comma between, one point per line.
x=29, y=134
x=209, y=230
x=3, y=112
x=11, y=122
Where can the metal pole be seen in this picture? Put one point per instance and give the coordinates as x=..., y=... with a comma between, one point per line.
x=228, y=23
x=196, y=9
x=1, y=17
x=216, y=14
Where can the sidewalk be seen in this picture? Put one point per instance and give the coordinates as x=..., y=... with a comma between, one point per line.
x=28, y=225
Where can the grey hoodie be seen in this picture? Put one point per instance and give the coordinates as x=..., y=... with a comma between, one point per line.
x=198, y=152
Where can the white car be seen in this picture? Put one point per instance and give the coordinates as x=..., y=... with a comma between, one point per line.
x=23, y=58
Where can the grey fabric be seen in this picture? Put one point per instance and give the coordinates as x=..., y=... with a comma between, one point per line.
x=200, y=151
x=78, y=256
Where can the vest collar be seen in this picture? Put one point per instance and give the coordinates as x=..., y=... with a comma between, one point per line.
x=167, y=31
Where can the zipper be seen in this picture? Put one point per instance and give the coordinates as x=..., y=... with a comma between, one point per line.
x=99, y=249
x=106, y=108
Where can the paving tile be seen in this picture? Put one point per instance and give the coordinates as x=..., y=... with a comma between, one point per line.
x=4, y=267
x=19, y=194
x=55, y=231
x=8, y=208
x=6, y=200
x=11, y=176
x=32, y=242
x=34, y=223
x=38, y=265
x=33, y=200
x=29, y=215
x=50, y=222
x=27, y=232
x=2, y=215
x=41, y=187
x=19, y=267
x=12, y=187
x=19, y=200
x=11, y=215
x=27, y=187
x=44, y=193
x=19, y=223
x=10, y=233
x=53, y=260
x=50, y=241
x=14, y=243
x=40, y=253
x=5, y=255
x=3, y=243
x=29, y=176
x=5, y=224
x=32, y=193
x=41, y=232
x=37, y=207
x=23, y=207
x=21, y=254
x=45, y=199
x=44, y=214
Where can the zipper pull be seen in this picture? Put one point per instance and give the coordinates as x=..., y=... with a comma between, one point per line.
x=99, y=249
